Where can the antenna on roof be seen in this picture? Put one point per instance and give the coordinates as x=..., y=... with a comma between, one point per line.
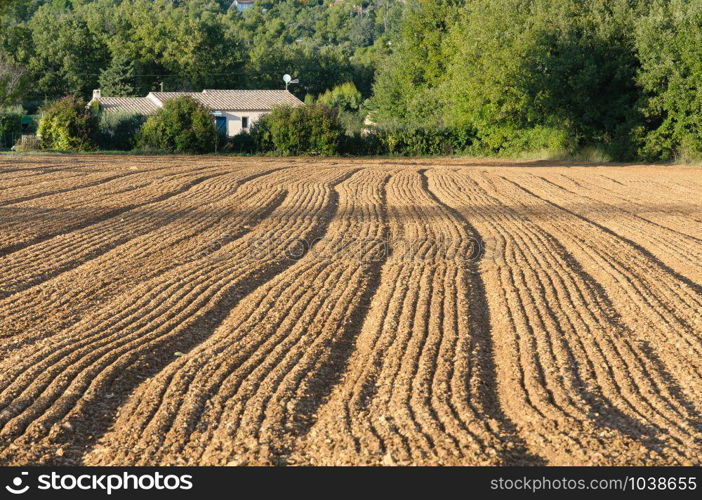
x=288, y=80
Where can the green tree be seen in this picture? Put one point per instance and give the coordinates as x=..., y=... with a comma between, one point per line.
x=406, y=86
x=67, y=125
x=669, y=43
x=12, y=80
x=182, y=125
x=119, y=131
x=186, y=45
x=544, y=73
x=10, y=125
x=118, y=79
x=345, y=97
x=67, y=56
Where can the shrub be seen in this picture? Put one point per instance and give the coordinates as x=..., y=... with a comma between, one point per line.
x=256, y=140
x=362, y=144
x=67, y=125
x=241, y=143
x=119, y=131
x=344, y=97
x=425, y=141
x=10, y=126
x=260, y=135
x=182, y=125
x=308, y=129
x=540, y=141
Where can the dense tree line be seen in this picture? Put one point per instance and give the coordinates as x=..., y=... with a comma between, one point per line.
x=130, y=47
x=618, y=79
x=621, y=76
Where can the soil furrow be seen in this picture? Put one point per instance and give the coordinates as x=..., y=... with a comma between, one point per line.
x=264, y=362
x=222, y=310
x=26, y=268
x=155, y=320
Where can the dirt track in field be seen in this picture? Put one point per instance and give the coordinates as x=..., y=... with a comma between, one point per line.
x=230, y=311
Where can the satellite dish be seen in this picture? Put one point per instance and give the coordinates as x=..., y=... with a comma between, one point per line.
x=287, y=78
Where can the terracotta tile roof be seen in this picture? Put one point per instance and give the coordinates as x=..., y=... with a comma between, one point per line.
x=236, y=100
x=215, y=100
x=136, y=105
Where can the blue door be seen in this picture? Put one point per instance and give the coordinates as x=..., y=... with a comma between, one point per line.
x=221, y=124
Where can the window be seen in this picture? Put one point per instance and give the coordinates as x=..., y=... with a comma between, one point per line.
x=244, y=122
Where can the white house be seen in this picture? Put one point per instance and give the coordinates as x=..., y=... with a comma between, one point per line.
x=242, y=5
x=234, y=111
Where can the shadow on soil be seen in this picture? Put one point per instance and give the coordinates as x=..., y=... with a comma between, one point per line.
x=331, y=372
x=479, y=324
x=96, y=420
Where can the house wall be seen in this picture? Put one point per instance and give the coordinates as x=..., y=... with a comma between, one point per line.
x=234, y=120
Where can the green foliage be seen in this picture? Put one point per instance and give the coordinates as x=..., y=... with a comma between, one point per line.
x=118, y=79
x=67, y=125
x=669, y=43
x=425, y=141
x=119, y=131
x=344, y=97
x=405, y=87
x=362, y=144
x=185, y=45
x=347, y=100
x=10, y=125
x=523, y=74
x=309, y=129
x=131, y=46
x=64, y=55
x=12, y=80
x=182, y=125
x=323, y=43
x=517, y=77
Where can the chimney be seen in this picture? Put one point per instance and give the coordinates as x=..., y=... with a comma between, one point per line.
x=97, y=94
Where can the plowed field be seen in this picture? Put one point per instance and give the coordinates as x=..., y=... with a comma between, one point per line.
x=231, y=311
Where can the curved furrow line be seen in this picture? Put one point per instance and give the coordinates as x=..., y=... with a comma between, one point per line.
x=65, y=381
x=648, y=389
x=689, y=294
x=247, y=392
x=670, y=212
x=650, y=301
x=682, y=254
x=530, y=270
x=43, y=261
x=667, y=212
x=181, y=242
x=673, y=300
x=33, y=178
x=11, y=174
x=56, y=186
x=602, y=350
x=54, y=305
x=548, y=408
x=29, y=223
x=392, y=405
x=89, y=180
x=398, y=187
x=688, y=186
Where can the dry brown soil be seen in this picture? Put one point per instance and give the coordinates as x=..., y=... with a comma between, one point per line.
x=230, y=311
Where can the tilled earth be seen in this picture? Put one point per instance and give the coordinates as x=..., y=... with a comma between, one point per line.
x=234, y=311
